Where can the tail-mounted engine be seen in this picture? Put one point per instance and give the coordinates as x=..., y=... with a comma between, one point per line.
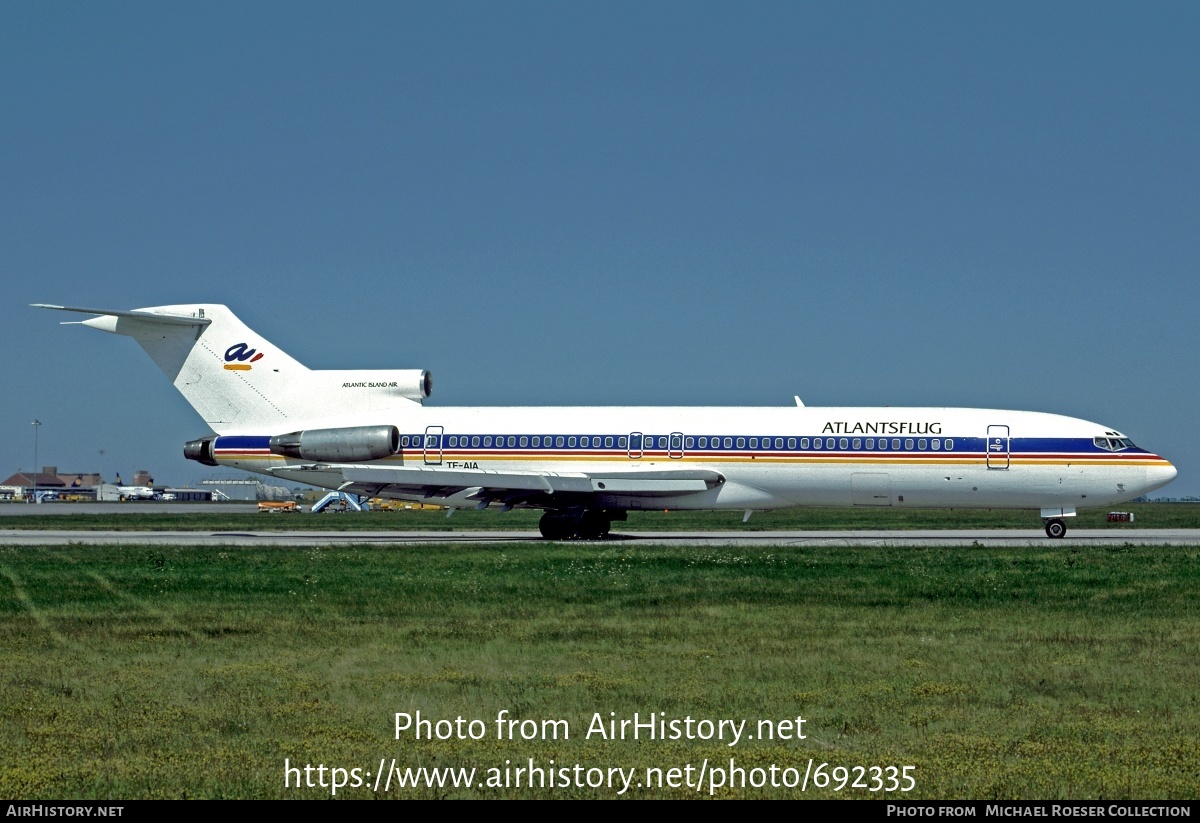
x=349, y=445
x=201, y=451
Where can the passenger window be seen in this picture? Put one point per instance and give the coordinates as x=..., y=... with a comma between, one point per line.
x=537, y=442
x=487, y=441
x=779, y=442
x=949, y=445
x=583, y=441
x=559, y=441
x=766, y=442
x=908, y=444
x=729, y=442
x=844, y=443
x=895, y=442
x=608, y=443
x=870, y=442
x=804, y=442
x=741, y=443
x=816, y=443
x=677, y=441
x=754, y=442
x=690, y=443
x=621, y=441
x=791, y=442
x=524, y=441
x=404, y=441
x=704, y=442
x=883, y=443
x=936, y=444
x=571, y=442
x=857, y=444
x=921, y=444
x=475, y=440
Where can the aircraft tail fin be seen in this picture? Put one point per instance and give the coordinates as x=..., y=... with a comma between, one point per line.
x=237, y=380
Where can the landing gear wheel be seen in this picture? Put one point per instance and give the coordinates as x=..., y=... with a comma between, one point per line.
x=555, y=526
x=589, y=525
x=594, y=526
x=1056, y=528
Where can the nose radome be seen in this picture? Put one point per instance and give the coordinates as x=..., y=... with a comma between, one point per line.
x=1160, y=475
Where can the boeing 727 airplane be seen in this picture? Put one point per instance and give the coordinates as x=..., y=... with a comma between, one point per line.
x=368, y=432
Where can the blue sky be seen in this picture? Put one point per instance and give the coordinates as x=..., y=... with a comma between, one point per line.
x=621, y=203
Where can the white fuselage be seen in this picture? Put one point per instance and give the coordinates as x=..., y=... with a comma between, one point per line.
x=768, y=457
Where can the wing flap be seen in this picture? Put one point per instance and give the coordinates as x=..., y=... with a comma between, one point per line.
x=436, y=482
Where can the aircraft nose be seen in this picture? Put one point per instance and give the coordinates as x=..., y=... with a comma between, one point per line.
x=1160, y=475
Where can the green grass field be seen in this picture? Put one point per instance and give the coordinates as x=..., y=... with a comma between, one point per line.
x=1054, y=672
x=141, y=517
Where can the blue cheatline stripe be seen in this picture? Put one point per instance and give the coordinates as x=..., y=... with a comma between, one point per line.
x=1080, y=446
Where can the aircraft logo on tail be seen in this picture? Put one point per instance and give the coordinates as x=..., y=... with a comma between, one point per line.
x=236, y=357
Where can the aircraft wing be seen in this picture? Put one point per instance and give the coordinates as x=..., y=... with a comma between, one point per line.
x=512, y=488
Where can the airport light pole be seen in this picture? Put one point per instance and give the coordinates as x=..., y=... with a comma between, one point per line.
x=37, y=424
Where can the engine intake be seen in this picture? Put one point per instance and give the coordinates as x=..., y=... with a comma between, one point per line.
x=354, y=444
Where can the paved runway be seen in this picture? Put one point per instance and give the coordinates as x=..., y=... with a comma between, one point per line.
x=131, y=507
x=1093, y=538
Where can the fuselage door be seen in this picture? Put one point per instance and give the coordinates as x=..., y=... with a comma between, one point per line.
x=635, y=445
x=997, y=447
x=675, y=446
x=433, y=445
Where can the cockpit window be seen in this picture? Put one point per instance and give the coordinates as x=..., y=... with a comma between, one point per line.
x=1113, y=444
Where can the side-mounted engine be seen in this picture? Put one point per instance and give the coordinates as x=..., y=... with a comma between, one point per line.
x=353, y=444
x=348, y=445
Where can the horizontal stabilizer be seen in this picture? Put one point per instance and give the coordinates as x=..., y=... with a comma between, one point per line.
x=145, y=316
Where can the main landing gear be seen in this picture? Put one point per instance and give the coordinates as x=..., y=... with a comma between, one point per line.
x=1056, y=527
x=581, y=525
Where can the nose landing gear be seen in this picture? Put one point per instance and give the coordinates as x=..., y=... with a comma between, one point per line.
x=1056, y=528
